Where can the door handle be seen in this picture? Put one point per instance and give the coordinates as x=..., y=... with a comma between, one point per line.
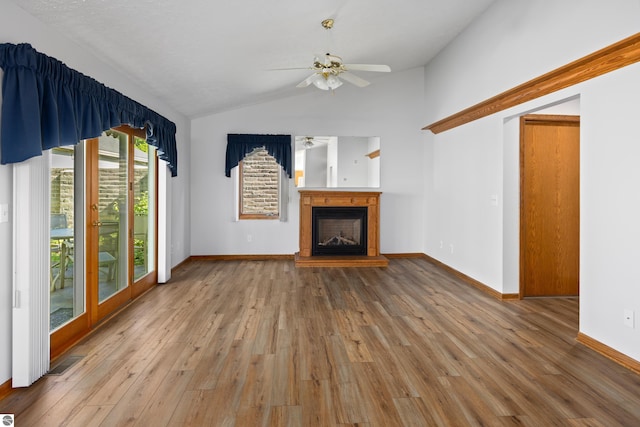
x=97, y=223
x=94, y=207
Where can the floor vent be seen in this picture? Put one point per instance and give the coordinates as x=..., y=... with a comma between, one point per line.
x=64, y=365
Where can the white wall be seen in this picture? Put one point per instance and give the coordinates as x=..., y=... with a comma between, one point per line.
x=391, y=107
x=511, y=43
x=515, y=41
x=16, y=26
x=610, y=208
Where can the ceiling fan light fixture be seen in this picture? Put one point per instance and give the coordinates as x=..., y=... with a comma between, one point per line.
x=330, y=82
x=327, y=24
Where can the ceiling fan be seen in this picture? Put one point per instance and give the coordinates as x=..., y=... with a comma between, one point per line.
x=306, y=142
x=328, y=70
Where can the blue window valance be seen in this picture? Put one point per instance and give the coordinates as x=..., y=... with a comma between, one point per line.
x=239, y=145
x=46, y=104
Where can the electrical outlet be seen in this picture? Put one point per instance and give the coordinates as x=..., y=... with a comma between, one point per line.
x=441, y=244
x=628, y=318
x=451, y=246
x=249, y=238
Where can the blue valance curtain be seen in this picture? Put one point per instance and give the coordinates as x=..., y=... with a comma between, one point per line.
x=239, y=145
x=46, y=104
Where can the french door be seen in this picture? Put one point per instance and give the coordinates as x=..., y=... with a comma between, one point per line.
x=106, y=256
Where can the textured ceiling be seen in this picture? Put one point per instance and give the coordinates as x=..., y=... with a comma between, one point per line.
x=205, y=56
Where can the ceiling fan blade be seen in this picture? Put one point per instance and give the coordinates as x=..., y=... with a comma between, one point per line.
x=292, y=68
x=353, y=79
x=306, y=82
x=368, y=67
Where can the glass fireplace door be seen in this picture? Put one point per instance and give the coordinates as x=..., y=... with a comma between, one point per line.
x=339, y=231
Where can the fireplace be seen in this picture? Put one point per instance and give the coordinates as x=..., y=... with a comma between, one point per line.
x=339, y=230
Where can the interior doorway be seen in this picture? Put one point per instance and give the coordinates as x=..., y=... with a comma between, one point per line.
x=549, y=205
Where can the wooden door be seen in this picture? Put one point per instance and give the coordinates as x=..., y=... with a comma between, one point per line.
x=550, y=205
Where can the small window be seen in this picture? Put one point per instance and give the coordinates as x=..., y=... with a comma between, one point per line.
x=259, y=186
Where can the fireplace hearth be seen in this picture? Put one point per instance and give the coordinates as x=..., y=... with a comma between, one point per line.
x=340, y=229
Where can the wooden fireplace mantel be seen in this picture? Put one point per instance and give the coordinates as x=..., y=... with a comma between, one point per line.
x=369, y=199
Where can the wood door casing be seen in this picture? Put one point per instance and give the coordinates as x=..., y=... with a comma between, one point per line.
x=549, y=205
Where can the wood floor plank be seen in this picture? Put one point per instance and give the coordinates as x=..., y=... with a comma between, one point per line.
x=222, y=408
x=286, y=416
x=30, y=413
x=286, y=388
x=474, y=407
x=349, y=329
x=263, y=343
x=313, y=354
x=425, y=379
x=67, y=408
x=256, y=392
x=394, y=376
x=377, y=399
x=119, y=381
x=133, y=402
x=266, y=339
x=192, y=409
x=164, y=400
x=486, y=381
x=317, y=406
x=90, y=416
x=214, y=355
x=347, y=403
x=413, y=412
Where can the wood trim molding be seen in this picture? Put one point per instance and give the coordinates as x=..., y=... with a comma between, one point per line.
x=550, y=118
x=610, y=353
x=6, y=389
x=373, y=154
x=611, y=58
x=471, y=281
x=408, y=255
x=179, y=265
x=240, y=257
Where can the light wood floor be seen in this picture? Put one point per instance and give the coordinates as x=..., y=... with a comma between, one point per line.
x=261, y=343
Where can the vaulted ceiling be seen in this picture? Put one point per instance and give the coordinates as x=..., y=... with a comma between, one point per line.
x=206, y=56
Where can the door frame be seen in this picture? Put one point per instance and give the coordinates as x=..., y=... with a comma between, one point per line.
x=63, y=338
x=149, y=280
x=529, y=118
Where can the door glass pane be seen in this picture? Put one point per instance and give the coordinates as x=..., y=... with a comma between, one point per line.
x=112, y=208
x=66, y=292
x=143, y=208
